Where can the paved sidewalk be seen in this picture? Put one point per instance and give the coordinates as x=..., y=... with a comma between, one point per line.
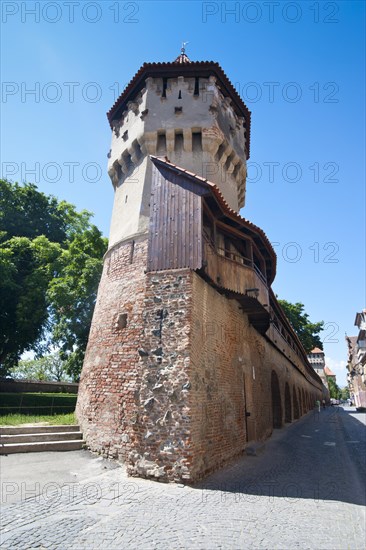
x=306, y=491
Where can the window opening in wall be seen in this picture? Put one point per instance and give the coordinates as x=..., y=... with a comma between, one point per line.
x=178, y=144
x=196, y=141
x=180, y=94
x=161, y=145
x=196, y=86
x=121, y=321
x=165, y=85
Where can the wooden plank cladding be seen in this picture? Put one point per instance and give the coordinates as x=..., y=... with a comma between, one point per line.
x=185, y=211
x=175, y=236
x=231, y=275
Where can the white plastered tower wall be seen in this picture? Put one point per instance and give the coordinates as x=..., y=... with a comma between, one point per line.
x=186, y=119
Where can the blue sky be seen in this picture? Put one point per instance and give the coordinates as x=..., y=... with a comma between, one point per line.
x=299, y=66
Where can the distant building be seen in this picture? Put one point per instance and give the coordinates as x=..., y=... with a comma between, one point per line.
x=316, y=359
x=330, y=374
x=357, y=362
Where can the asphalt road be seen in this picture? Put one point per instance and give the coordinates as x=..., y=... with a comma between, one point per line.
x=305, y=490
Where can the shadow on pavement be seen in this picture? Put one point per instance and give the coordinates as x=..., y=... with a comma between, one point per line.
x=320, y=457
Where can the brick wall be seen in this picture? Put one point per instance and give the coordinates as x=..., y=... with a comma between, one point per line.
x=231, y=374
x=108, y=391
x=171, y=369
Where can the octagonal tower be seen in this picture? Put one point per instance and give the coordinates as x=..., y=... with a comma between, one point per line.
x=186, y=111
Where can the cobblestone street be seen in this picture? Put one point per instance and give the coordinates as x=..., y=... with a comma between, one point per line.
x=305, y=490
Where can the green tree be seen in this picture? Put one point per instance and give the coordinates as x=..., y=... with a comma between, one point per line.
x=73, y=294
x=50, y=264
x=28, y=266
x=307, y=331
x=345, y=393
x=47, y=368
x=334, y=390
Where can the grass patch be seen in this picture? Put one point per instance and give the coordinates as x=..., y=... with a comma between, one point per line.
x=54, y=420
x=36, y=404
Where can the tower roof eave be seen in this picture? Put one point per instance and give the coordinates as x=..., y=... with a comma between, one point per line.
x=188, y=69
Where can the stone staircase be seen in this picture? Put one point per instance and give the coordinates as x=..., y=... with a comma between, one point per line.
x=31, y=439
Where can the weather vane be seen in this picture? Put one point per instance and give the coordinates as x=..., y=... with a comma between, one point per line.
x=183, y=48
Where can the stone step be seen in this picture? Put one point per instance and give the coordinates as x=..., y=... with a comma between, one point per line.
x=13, y=430
x=72, y=445
x=40, y=437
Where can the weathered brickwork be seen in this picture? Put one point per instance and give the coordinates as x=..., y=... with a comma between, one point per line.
x=132, y=401
x=168, y=393
x=231, y=373
x=108, y=402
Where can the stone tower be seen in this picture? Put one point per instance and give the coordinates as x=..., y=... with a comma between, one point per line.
x=186, y=111
x=184, y=310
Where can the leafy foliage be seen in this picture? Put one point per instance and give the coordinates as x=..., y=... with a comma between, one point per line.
x=50, y=265
x=334, y=390
x=73, y=295
x=345, y=393
x=48, y=368
x=307, y=331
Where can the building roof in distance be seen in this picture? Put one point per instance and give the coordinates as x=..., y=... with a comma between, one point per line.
x=317, y=350
x=328, y=372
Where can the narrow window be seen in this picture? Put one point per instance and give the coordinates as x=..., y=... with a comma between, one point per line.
x=121, y=321
x=197, y=141
x=178, y=145
x=161, y=145
x=165, y=85
x=180, y=95
x=196, y=86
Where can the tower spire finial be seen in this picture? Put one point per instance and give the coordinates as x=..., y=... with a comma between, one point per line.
x=183, y=48
x=182, y=57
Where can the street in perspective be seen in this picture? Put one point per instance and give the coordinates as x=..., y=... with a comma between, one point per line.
x=303, y=488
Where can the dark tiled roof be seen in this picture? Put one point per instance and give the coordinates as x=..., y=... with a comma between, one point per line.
x=183, y=68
